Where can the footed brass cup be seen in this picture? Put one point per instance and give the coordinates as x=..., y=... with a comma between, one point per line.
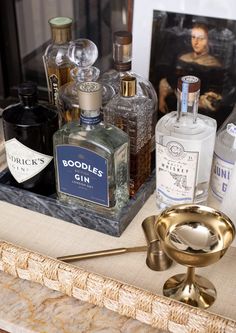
x=193, y=236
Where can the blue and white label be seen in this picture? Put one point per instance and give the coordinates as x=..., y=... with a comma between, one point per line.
x=184, y=104
x=83, y=174
x=220, y=176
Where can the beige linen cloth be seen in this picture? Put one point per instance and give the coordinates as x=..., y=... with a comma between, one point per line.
x=54, y=237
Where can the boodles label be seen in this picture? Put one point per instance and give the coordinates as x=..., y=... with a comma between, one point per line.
x=23, y=162
x=82, y=173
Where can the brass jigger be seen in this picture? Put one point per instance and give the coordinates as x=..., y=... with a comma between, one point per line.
x=156, y=259
x=194, y=236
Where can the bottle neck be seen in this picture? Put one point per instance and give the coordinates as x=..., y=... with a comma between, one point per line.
x=28, y=101
x=62, y=35
x=90, y=117
x=187, y=102
x=122, y=66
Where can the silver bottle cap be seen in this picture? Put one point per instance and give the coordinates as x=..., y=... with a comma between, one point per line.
x=90, y=95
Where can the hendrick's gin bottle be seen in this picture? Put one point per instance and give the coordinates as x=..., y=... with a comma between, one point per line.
x=28, y=129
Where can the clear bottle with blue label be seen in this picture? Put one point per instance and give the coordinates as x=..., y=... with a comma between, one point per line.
x=223, y=160
x=184, y=149
x=92, y=157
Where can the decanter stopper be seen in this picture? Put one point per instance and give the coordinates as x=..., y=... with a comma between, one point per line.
x=83, y=53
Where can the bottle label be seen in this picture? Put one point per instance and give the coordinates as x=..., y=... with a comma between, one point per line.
x=82, y=173
x=176, y=171
x=23, y=162
x=221, y=172
x=52, y=83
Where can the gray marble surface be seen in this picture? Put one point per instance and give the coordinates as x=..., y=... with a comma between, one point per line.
x=27, y=307
x=76, y=214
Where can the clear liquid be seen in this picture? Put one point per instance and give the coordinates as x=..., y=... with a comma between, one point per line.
x=111, y=144
x=189, y=169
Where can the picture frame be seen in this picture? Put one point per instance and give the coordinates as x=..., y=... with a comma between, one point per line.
x=163, y=34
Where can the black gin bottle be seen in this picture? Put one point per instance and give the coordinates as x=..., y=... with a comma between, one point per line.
x=28, y=130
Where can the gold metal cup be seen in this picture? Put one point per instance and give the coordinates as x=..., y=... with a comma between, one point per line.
x=157, y=260
x=194, y=236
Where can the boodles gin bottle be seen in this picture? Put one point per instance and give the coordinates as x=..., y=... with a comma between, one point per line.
x=184, y=149
x=92, y=158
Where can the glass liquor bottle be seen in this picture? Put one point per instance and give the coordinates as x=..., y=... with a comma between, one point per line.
x=133, y=114
x=28, y=130
x=82, y=53
x=91, y=158
x=223, y=160
x=122, y=57
x=184, y=149
x=56, y=63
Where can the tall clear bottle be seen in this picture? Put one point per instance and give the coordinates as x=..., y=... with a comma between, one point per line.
x=184, y=149
x=82, y=53
x=223, y=160
x=92, y=158
x=56, y=63
x=133, y=114
x=122, y=58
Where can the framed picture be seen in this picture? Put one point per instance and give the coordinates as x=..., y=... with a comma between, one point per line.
x=172, y=39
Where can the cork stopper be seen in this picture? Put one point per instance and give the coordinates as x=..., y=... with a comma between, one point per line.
x=122, y=37
x=193, y=83
x=61, y=29
x=128, y=86
x=90, y=96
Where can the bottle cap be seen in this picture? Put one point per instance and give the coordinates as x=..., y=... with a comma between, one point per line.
x=28, y=88
x=61, y=29
x=122, y=37
x=60, y=22
x=193, y=83
x=128, y=86
x=90, y=96
x=122, y=50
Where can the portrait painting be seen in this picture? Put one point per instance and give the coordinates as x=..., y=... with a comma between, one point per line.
x=185, y=44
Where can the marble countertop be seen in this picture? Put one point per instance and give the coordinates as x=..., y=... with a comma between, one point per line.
x=27, y=307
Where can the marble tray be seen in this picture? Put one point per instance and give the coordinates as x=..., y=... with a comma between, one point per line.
x=76, y=214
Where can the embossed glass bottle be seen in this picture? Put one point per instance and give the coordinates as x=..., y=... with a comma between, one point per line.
x=133, y=114
x=56, y=63
x=184, y=149
x=82, y=53
x=28, y=130
x=223, y=160
x=91, y=158
x=122, y=57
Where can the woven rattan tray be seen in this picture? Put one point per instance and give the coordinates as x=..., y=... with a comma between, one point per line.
x=157, y=311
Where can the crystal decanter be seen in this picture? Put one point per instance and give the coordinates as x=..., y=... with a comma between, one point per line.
x=82, y=53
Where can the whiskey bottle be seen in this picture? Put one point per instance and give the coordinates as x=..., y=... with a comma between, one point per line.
x=184, y=149
x=82, y=53
x=56, y=63
x=91, y=158
x=28, y=130
x=122, y=57
x=133, y=114
x=223, y=160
